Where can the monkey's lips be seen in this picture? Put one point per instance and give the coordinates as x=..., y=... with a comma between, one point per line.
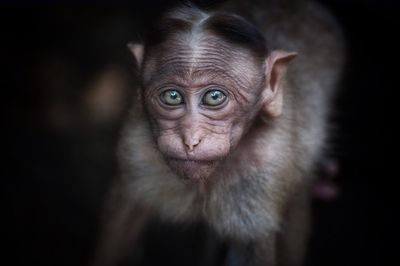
x=192, y=169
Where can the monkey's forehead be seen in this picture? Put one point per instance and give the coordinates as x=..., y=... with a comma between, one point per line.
x=202, y=45
x=208, y=62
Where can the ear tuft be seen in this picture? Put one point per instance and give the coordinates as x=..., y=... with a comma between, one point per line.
x=137, y=49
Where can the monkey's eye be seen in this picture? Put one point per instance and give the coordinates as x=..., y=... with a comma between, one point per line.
x=214, y=98
x=171, y=97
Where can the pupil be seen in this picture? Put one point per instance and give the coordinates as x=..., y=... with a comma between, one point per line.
x=173, y=95
x=215, y=95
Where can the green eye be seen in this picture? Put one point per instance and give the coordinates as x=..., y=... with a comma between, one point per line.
x=171, y=97
x=214, y=98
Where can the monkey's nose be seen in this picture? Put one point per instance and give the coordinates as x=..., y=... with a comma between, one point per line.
x=191, y=143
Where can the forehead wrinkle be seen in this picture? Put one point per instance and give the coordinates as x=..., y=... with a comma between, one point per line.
x=167, y=69
x=200, y=47
x=234, y=62
x=211, y=59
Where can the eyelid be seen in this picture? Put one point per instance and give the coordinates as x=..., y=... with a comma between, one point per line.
x=168, y=87
x=216, y=87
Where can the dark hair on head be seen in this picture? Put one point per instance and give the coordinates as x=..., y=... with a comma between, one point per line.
x=177, y=20
x=229, y=27
x=236, y=29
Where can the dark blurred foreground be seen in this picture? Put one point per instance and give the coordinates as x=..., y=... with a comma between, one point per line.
x=68, y=80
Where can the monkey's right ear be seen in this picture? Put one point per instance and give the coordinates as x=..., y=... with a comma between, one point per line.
x=137, y=49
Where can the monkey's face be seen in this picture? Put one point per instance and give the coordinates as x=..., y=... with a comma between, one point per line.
x=200, y=106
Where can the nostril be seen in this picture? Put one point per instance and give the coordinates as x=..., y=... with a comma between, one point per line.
x=192, y=143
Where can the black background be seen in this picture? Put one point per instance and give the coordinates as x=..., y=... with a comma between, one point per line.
x=54, y=177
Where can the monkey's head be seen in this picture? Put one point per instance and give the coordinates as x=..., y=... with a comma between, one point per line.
x=204, y=80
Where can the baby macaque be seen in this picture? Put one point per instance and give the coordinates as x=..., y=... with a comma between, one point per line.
x=227, y=125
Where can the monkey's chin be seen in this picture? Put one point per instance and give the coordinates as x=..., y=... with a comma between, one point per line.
x=192, y=169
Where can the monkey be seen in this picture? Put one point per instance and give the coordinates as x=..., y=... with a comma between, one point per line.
x=228, y=122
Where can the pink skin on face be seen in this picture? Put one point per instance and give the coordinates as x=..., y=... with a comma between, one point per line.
x=195, y=136
x=192, y=132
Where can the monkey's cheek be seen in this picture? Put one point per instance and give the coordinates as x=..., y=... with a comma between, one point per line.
x=193, y=170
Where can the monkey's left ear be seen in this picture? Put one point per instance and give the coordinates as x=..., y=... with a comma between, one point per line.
x=137, y=49
x=276, y=66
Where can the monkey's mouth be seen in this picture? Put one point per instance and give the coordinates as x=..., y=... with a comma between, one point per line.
x=192, y=169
